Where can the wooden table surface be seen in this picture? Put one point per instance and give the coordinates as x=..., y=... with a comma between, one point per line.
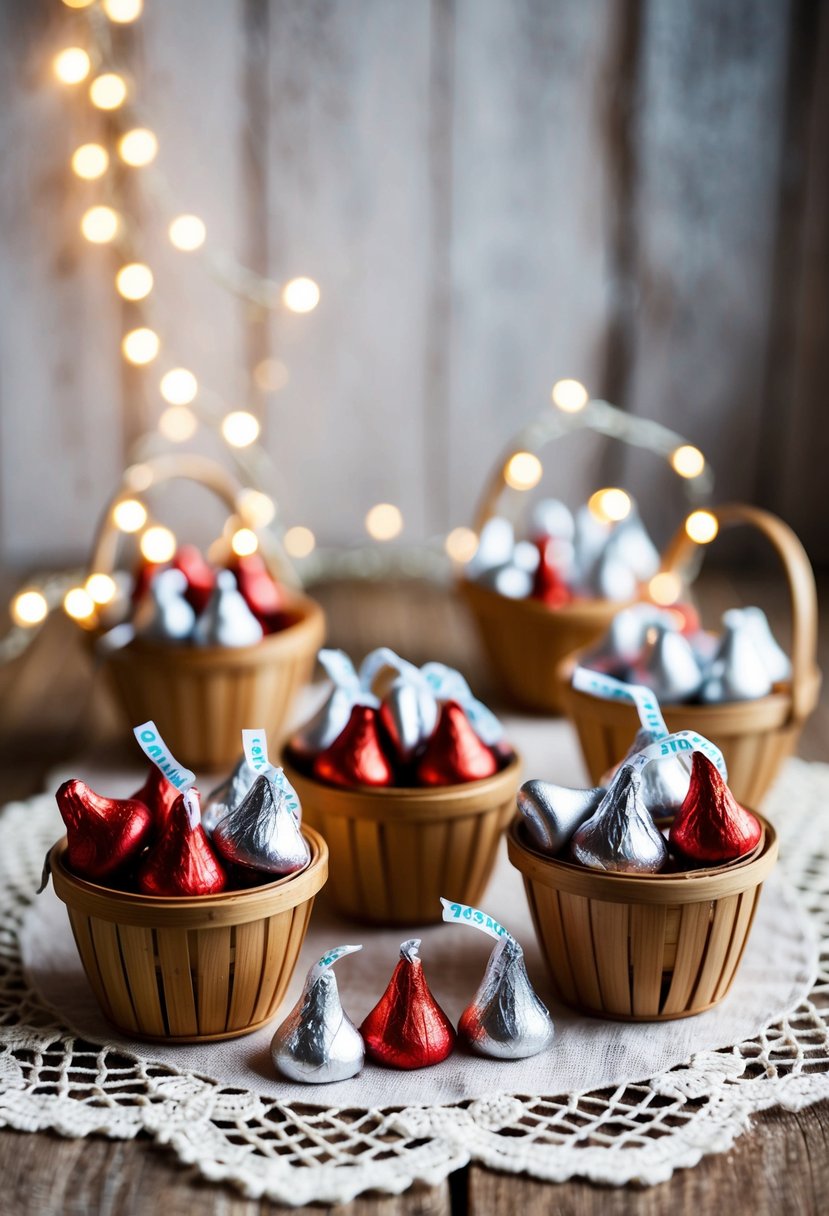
x=48, y=711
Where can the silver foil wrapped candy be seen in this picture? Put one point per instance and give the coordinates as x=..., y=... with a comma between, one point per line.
x=318, y=1043
x=409, y=713
x=630, y=544
x=506, y=1019
x=611, y=578
x=665, y=781
x=621, y=835
x=550, y=517
x=776, y=661
x=668, y=666
x=553, y=812
x=163, y=614
x=508, y=580
x=625, y=636
x=262, y=832
x=737, y=671
x=227, y=795
x=227, y=620
x=495, y=546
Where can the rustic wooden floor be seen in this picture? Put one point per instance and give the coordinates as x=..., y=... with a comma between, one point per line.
x=47, y=711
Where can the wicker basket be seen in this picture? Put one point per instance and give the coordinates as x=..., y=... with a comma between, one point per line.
x=642, y=949
x=201, y=697
x=755, y=736
x=190, y=970
x=394, y=852
x=525, y=640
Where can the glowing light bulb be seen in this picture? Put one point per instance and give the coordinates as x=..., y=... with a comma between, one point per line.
x=384, y=521
x=90, y=161
x=29, y=608
x=687, y=461
x=138, y=147
x=178, y=424
x=78, y=3
x=610, y=505
x=158, y=544
x=101, y=587
x=179, y=386
x=123, y=11
x=79, y=604
x=665, y=588
x=461, y=544
x=702, y=527
x=244, y=541
x=100, y=225
x=256, y=508
x=301, y=295
x=108, y=91
x=129, y=515
x=140, y=345
x=270, y=375
x=523, y=471
x=71, y=65
x=299, y=541
x=134, y=281
x=570, y=396
x=187, y=232
x=240, y=428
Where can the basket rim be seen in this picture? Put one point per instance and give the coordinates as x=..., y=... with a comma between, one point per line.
x=424, y=801
x=225, y=907
x=689, y=886
x=588, y=609
x=311, y=620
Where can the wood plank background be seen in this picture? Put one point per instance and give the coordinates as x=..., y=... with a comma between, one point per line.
x=492, y=194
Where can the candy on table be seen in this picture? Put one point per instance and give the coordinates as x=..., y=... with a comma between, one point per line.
x=261, y=832
x=318, y=1043
x=181, y=862
x=621, y=835
x=711, y=826
x=102, y=834
x=407, y=1028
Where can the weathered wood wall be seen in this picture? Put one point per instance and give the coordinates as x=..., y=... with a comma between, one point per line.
x=492, y=194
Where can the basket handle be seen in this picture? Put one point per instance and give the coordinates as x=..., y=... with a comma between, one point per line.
x=801, y=589
x=204, y=472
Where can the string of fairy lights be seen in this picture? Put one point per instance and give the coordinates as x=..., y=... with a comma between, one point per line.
x=89, y=63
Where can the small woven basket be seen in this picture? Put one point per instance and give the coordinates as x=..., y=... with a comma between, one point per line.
x=395, y=852
x=642, y=949
x=756, y=736
x=202, y=697
x=190, y=970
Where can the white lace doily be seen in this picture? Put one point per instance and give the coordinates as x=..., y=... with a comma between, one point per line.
x=297, y=1154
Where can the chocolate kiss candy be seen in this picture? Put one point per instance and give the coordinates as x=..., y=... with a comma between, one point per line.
x=526, y=556
x=163, y=614
x=495, y=546
x=625, y=635
x=506, y=1019
x=159, y=795
x=318, y=1043
x=549, y=585
x=454, y=753
x=550, y=517
x=621, y=834
x=776, y=661
x=664, y=781
x=409, y=713
x=630, y=544
x=228, y=794
x=182, y=862
x=101, y=833
x=356, y=756
x=330, y=721
x=261, y=592
x=711, y=825
x=737, y=671
x=227, y=620
x=261, y=831
x=508, y=580
x=553, y=812
x=611, y=578
x=200, y=576
x=668, y=666
x=407, y=1028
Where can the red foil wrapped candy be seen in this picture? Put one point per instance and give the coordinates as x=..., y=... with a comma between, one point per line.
x=455, y=753
x=548, y=583
x=711, y=826
x=182, y=862
x=407, y=1028
x=159, y=795
x=201, y=577
x=102, y=833
x=356, y=757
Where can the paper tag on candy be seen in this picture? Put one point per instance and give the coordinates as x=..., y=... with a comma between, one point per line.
x=473, y=916
x=681, y=743
x=156, y=750
x=328, y=960
x=647, y=706
x=255, y=747
x=449, y=685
